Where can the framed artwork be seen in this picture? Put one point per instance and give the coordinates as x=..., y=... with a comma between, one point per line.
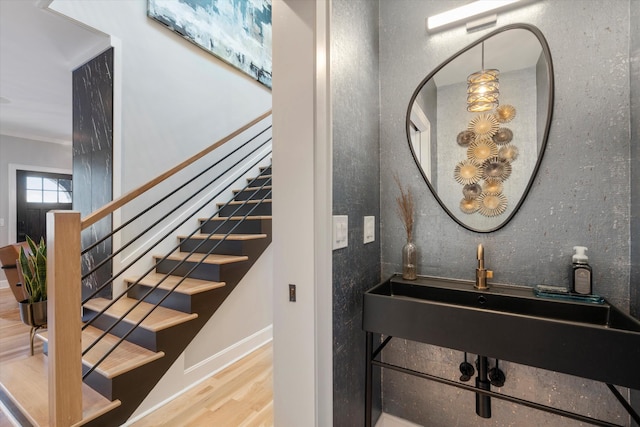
x=236, y=31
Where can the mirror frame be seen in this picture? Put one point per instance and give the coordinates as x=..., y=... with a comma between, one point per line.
x=545, y=137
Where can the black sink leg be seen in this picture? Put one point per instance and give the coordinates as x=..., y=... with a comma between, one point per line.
x=483, y=402
x=368, y=381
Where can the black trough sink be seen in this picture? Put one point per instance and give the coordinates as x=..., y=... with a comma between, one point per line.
x=589, y=340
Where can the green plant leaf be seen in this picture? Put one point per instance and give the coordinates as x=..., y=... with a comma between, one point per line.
x=32, y=245
x=34, y=270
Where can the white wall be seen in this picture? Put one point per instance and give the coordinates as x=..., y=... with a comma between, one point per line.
x=26, y=152
x=176, y=99
x=302, y=215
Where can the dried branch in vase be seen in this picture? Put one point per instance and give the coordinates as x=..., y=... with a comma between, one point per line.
x=405, y=208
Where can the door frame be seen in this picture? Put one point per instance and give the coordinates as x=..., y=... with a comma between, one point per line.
x=13, y=197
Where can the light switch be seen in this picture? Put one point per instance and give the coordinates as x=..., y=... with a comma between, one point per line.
x=369, y=229
x=1, y=222
x=340, y=231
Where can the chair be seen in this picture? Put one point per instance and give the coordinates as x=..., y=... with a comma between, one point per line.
x=8, y=257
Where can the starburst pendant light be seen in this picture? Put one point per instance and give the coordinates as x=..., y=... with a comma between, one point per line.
x=482, y=89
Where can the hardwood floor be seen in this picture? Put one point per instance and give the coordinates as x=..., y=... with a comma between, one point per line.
x=14, y=335
x=239, y=396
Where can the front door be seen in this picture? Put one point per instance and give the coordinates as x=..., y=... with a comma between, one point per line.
x=36, y=194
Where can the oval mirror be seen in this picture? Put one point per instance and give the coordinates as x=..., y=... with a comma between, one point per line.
x=478, y=125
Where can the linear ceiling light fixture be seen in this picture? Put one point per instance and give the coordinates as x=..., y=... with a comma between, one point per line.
x=464, y=13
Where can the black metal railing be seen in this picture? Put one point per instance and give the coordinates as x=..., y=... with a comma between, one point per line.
x=240, y=167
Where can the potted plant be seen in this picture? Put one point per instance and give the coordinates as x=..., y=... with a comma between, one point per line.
x=32, y=271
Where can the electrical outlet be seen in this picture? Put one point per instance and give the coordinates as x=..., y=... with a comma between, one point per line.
x=369, y=229
x=340, y=231
x=292, y=293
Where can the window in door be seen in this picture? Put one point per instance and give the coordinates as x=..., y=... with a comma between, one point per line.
x=37, y=193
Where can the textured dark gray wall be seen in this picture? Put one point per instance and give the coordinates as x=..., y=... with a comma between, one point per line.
x=634, y=58
x=580, y=197
x=93, y=160
x=356, y=193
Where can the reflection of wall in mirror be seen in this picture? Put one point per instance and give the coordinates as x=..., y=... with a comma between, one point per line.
x=427, y=102
x=516, y=88
x=421, y=138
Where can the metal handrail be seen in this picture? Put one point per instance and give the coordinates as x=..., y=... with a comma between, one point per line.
x=111, y=207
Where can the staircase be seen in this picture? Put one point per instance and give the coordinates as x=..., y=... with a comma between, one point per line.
x=170, y=305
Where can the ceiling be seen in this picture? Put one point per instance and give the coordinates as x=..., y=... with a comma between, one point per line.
x=38, y=51
x=511, y=50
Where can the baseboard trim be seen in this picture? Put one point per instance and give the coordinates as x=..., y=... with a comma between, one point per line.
x=214, y=364
x=233, y=353
x=4, y=284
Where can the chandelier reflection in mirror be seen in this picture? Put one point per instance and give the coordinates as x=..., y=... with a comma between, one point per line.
x=489, y=156
x=483, y=89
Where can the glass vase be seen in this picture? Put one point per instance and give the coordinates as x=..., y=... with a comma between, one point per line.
x=409, y=260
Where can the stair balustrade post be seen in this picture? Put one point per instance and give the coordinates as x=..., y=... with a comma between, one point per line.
x=63, y=318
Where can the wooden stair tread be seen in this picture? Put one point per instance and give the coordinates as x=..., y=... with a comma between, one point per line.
x=206, y=259
x=222, y=236
x=126, y=357
x=25, y=381
x=236, y=218
x=188, y=286
x=161, y=318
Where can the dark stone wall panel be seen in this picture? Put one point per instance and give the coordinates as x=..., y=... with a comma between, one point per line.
x=93, y=160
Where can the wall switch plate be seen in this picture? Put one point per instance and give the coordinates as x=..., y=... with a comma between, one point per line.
x=292, y=293
x=1, y=222
x=369, y=229
x=340, y=231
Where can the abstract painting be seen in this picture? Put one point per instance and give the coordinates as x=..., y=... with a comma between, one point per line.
x=236, y=31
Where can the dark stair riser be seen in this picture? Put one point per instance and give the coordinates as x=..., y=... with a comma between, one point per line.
x=175, y=301
x=204, y=271
x=263, y=208
x=259, y=181
x=120, y=386
x=265, y=171
x=223, y=247
x=248, y=226
x=255, y=194
x=150, y=340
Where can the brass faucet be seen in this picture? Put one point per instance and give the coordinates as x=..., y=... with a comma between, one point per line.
x=482, y=274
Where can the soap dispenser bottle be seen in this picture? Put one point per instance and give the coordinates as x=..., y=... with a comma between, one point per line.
x=582, y=283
